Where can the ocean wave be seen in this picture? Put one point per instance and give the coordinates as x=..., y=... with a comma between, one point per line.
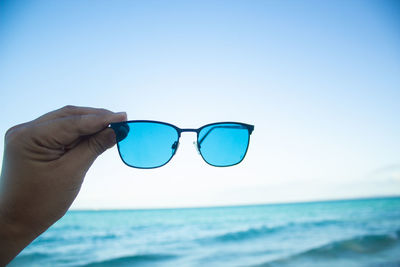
x=365, y=245
x=359, y=245
x=246, y=234
x=27, y=259
x=139, y=259
x=256, y=232
x=73, y=238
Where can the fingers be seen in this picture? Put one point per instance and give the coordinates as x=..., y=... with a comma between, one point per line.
x=63, y=112
x=64, y=131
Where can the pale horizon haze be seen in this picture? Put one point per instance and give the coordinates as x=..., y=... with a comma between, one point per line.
x=320, y=80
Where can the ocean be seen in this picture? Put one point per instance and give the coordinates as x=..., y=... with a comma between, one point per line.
x=364, y=232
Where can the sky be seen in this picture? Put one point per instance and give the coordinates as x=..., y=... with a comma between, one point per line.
x=320, y=80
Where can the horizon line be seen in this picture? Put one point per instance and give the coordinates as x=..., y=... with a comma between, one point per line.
x=243, y=205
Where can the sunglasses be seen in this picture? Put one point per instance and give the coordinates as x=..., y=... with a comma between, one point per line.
x=152, y=144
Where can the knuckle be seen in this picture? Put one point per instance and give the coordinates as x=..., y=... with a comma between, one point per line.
x=103, y=111
x=69, y=108
x=16, y=137
x=14, y=132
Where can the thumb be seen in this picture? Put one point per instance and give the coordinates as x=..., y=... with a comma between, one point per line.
x=100, y=142
x=85, y=153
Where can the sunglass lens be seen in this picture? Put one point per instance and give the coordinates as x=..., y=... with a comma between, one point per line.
x=223, y=144
x=146, y=144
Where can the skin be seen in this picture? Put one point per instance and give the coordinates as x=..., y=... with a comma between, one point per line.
x=44, y=165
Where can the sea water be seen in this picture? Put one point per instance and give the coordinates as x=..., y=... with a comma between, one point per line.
x=362, y=232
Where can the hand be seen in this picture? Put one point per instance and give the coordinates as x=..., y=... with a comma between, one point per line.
x=44, y=165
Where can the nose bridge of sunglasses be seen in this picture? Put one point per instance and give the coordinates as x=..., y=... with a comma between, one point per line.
x=182, y=138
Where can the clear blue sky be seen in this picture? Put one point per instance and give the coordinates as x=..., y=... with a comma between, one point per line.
x=320, y=80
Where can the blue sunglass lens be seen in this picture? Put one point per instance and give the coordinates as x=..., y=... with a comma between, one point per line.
x=146, y=144
x=223, y=144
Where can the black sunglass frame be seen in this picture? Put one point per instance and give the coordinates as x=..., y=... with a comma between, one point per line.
x=115, y=126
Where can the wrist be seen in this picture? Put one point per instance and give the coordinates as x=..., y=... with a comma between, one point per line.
x=14, y=237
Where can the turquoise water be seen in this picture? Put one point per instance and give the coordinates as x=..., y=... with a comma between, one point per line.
x=339, y=233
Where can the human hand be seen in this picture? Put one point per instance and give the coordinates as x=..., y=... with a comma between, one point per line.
x=44, y=165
